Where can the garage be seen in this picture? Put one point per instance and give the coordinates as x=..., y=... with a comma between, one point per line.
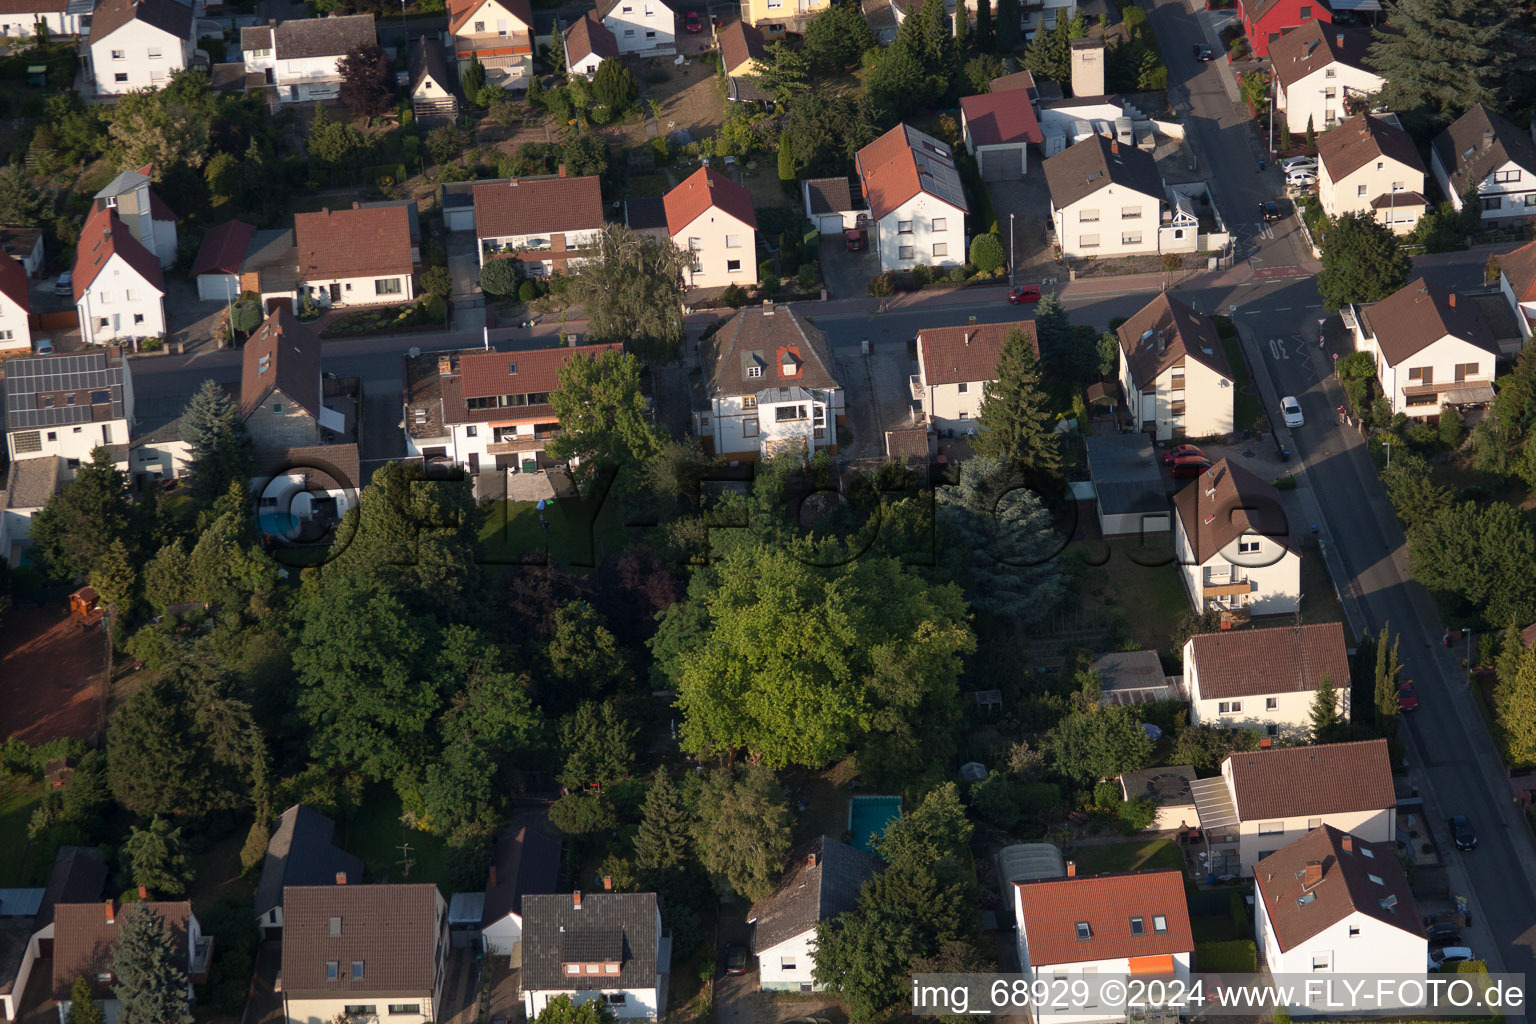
x=218, y=287
x=831, y=204
x=829, y=223
x=1128, y=486
x=220, y=260
x=997, y=128
x=1001, y=163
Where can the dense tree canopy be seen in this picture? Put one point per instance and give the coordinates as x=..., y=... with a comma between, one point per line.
x=367, y=80
x=1362, y=262
x=149, y=974
x=837, y=37
x=1444, y=56
x=1008, y=539
x=631, y=289
x=1015, y=422
x=742, y=829
x=604, y=420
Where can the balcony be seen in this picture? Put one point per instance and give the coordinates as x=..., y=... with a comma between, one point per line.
x=202, y=954
x=917, y=388
x=523, y=443
x=1227, y=589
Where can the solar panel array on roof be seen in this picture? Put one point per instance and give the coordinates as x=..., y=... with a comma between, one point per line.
x=592, y=945
x=31, y=383
x=936, y=169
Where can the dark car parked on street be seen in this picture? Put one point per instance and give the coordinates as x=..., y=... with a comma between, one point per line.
x=1462, y=832
x=1203, y=53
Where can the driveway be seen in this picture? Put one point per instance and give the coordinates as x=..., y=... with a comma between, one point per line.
x=461, y=988
x=266, y=1006
x=464, y=265
x=1029, y=203
x=846, y=274
x=876, y=390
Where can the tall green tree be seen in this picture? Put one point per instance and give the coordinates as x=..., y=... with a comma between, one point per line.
x=1517, y=710
x=1388, y=668
x=614, y=85
x=1475, y=550
x=604, y=419
x=219, y=450
x=631, y=288
x=21, y=204
x=1015, y=422
x=1048, y=55
x=367, y=80
x=985, y=39
x=599, y=745
x=785, y=71
x=1007, y=28
x=1444, y=56
x=563, y=1010
x=1362, y=262
x=80, y=523
x=1511, y=650
x=742, y=829
x=662, y=840
x=1095, y=742
x=157, y=859
x=115, y=578
x=824, y=130
x=163, y=128
x=148, y=970
x=83, y=1007
x=837, y=37
x=1324, y=718
x=1008, y=537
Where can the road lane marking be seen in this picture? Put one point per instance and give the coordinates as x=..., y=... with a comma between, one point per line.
x=1277, y=349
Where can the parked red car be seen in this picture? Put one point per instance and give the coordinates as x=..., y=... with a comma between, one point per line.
x=1190, y=466
x=1173, y=455
x=853, y=238
x=1024, y=294
x=1407, y=700
x=691, y=22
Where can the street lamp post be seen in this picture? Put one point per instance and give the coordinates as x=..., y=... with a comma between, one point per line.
x=1271, y=115
x=1012, y=269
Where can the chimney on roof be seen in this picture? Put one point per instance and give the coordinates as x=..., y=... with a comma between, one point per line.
x=1265, y=742
x=576, y=900
x=561, y=170
x=1114, y=147
x=973, y=321
x=810, y=860
x=341, y=878
x=968, y=338
x=1452, y=300
x=143, y=894
x=1162, y=342
x=607, y=883
x=111, y=909
x=1071, y=869
x=114, y=355
x=444, y=365
x=1338, y=40
x=356, y=205
x=1313, y=875
x=1348, y=842
x=1488, y=140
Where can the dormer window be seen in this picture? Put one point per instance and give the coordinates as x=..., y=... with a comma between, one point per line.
x=332, y=970
x=512, y=369
x=1138, y=926
x=754, y=371
x=1159, y=924
x=1084, y=931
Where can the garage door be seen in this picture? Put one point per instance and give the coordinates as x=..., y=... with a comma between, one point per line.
x=831, y=223
x=217, y=287
x=1002, y=164
x=460, y=219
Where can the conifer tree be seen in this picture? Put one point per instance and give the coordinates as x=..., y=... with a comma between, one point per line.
x=151, y=981
x=662, y=841
x=1015, y=423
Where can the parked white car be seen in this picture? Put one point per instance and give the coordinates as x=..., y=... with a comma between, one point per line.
x=1449, y=955
x=1308, y=163
x=43, y=346
x=1290, y=411
x=1301, y=179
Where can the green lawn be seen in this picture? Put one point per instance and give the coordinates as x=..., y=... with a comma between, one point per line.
x=1146, y=598
x=1135, y=855
x=18, y=799
x=576, y=539
x=376, y=834
x=1247, y=410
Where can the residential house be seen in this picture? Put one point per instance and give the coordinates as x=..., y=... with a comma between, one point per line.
x=1107, y=200
x=25, y=245
x=741, y=47
x=364, y=951
x=1264, y=799
x=67, y=405
x=1174, y=374
x=711, y=218
x=587, y=44
x=20, y=18
x=1233, y=545
x=647, y=216
x=26, y=915
x=1130, y=498
x=602, y=945
x=955, y=365
x=998, y=130
x=1370, y=165
x=303, y=62
x=83, y=937
x=221, y=260
x=431, y=87
x=118, y=287
x=644, y=27
x=15, y=307
x=1517, y=283
x=822, y=880
x=29, y=485
x=157, y=451
x=1483, y=152
x=1320, y=71
x=1265, y=21
x=770, y=389
x=1331, y=901
x=832, y=205
x=526, y=862
x=355, y=257
x=543, y=223
x=301, y=852
x=1135, y=923
x=916, y=200
x=1033, y=16
x=776, y=17
x=139, y=44
x=497, y=33
x=1265, y=679
x=486, y=410
x=1429, y=349
x=143, y=211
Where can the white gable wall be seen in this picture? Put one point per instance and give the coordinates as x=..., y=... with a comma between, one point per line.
x=120, y=305
x=642, y=26
x=1356, y=944
x=724, y=249
x=934, y=234
x=1320, y=96
x=1114, y=221
x=137, y=56
x=15, y=334
x=787, y=966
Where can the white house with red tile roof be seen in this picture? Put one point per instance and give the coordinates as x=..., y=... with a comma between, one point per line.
x=499, y=33
x=486, y=410
x=587, y=44
x=645, y=27
x=1319, y=68
x=1234, y=545
x=1517, y=283
x=355, y=257
x=1083, y=925
x=998, y=129
x=143, y=211
x=139, y=44
x=15, y=305
x=916, y=199
x=541, y=222
x=1265, y=679
x=954, y=367
x=118, y=287
x=1430, y=349
x=710, y=217
x=1331, y=901
x=221, y=260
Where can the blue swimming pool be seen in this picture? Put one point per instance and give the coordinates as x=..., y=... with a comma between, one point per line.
x=868, y=817
x=279, y=524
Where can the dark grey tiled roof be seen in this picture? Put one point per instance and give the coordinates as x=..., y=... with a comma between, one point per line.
x=556, y=932
x=322, y=37
x=1082, y=169
x=302, y=852
x=808, y=894
x=526, y=862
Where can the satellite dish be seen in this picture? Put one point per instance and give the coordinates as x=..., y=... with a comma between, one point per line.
x=414, y=351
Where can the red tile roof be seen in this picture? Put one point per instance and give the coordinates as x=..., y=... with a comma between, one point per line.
x=459, y=12
x=954, y=355
x=223, y=249
x=586, y=36
x=281, y=355
x=371, y=242
x=1283, y=659
x=394, y=930
x=1053, y=907
x=701, y=190
x=1355, y=876
x=1296, y=782
x=83, y=934
x=103, y=236
x=998, y=119
x=1520, y=268
x=739, y=43
x=533, y=206
x=486, y=374
x=13, y=282
x=904, y=162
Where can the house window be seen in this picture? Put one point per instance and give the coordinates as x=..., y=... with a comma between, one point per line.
x=32, y=441
x=104, y=976
x=1088, y=217
x=733, y=241
x=786, y=963
x=704, y=427
x=1130, y=213
x=332, y=968
x=1271, y=828
x=733, y=266
x=471, y=431
x=1127, y=239
x=1422, y=374
x=1465, y=371
x=749, y=401
x=1360, y=190
x=1493, y=203
x=1354, y=932
x=616, y=998
x=1271, y=703
x=118, y=55
x=1506, y=176
x=361, y=1010
x=749, y=428
x=1330, y=93
x=1159, y=924
x=1429, y=399
x=964, y=387
x=964, y=415
x=1248, y=546
x=1314, y=823
x=387, y=286
x=610, y=968
x=940, y=223
x=155, y=54
x=1306, y=13
x=479, y=26
x=1084, y=931
x=357, y=970
x=1229, y=707
x=1330, y=73
x=573, y=968
x=277, y=407
x=1319, y=961
x=754, y=371
x=1138, y=926
x=903, y=227
x=789, y=413
x=138, y=318
x=941, y=248
x=102, y=323
x=1088, y=241
x=1365, y=851
x=399, y=1009
x=904, y=252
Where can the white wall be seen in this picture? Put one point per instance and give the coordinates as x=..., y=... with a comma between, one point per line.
x=120, y=304
x=22, y=26
x=218, y=287
x=555, y=243
x=1378, y=826
x=125, y=60
x=15, y=333
x=1309, y=97
x=1357, y=944
x=1291, y=716
x=307, y=78
x=730, y=423
x=642, y=25
x=1353, y=193
x=324, y=1011
x=1114, y=221
x=1523, y=310
x=787, y=966
x=361, y=291
x=638, y=1002
x=503, y=936
x=1515, y=193
x=936, y=235
x=1439, y=358
x=1275, y=579
x=1207, y=396
x=707, y=237
x=165, y=460
x=72, y=440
